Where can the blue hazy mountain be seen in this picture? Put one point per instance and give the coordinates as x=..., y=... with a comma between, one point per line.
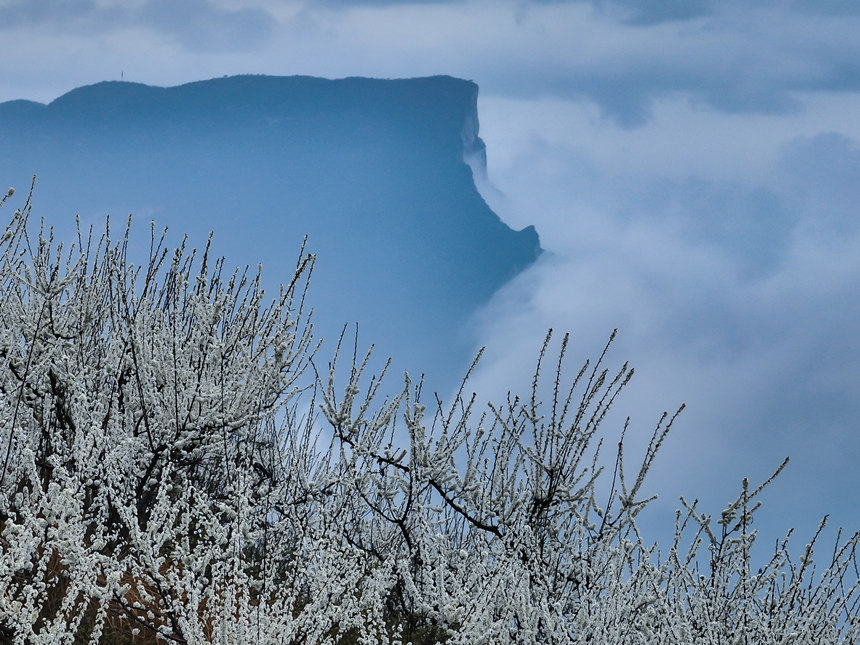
x=372, y=171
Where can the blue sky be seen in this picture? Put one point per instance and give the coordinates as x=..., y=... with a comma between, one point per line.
x=693, y=168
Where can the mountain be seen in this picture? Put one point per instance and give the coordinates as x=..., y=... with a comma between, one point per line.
x=374, y=172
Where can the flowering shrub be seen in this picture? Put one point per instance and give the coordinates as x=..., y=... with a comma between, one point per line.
x=165, y=477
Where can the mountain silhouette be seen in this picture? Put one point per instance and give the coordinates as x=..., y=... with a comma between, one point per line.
x=373, y=171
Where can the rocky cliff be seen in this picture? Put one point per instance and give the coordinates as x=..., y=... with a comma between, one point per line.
x=372, y=171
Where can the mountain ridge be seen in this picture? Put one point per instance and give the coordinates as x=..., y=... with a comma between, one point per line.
x=373, y=170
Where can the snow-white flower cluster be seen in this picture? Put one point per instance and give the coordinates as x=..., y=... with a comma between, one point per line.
x=164, y=479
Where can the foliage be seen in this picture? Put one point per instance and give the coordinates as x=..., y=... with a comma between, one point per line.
x=165, y=478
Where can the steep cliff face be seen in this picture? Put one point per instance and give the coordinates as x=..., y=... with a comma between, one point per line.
x=373, y=171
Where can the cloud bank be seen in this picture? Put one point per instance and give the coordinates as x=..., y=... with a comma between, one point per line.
x=737, y=294
x=621, y=55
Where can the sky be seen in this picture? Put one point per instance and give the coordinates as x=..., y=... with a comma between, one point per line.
x=692, y=168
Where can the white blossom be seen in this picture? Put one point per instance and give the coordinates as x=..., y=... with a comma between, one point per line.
x=165, y=477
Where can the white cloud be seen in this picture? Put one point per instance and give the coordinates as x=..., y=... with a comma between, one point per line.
x=734, y=289
x=735, y=59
